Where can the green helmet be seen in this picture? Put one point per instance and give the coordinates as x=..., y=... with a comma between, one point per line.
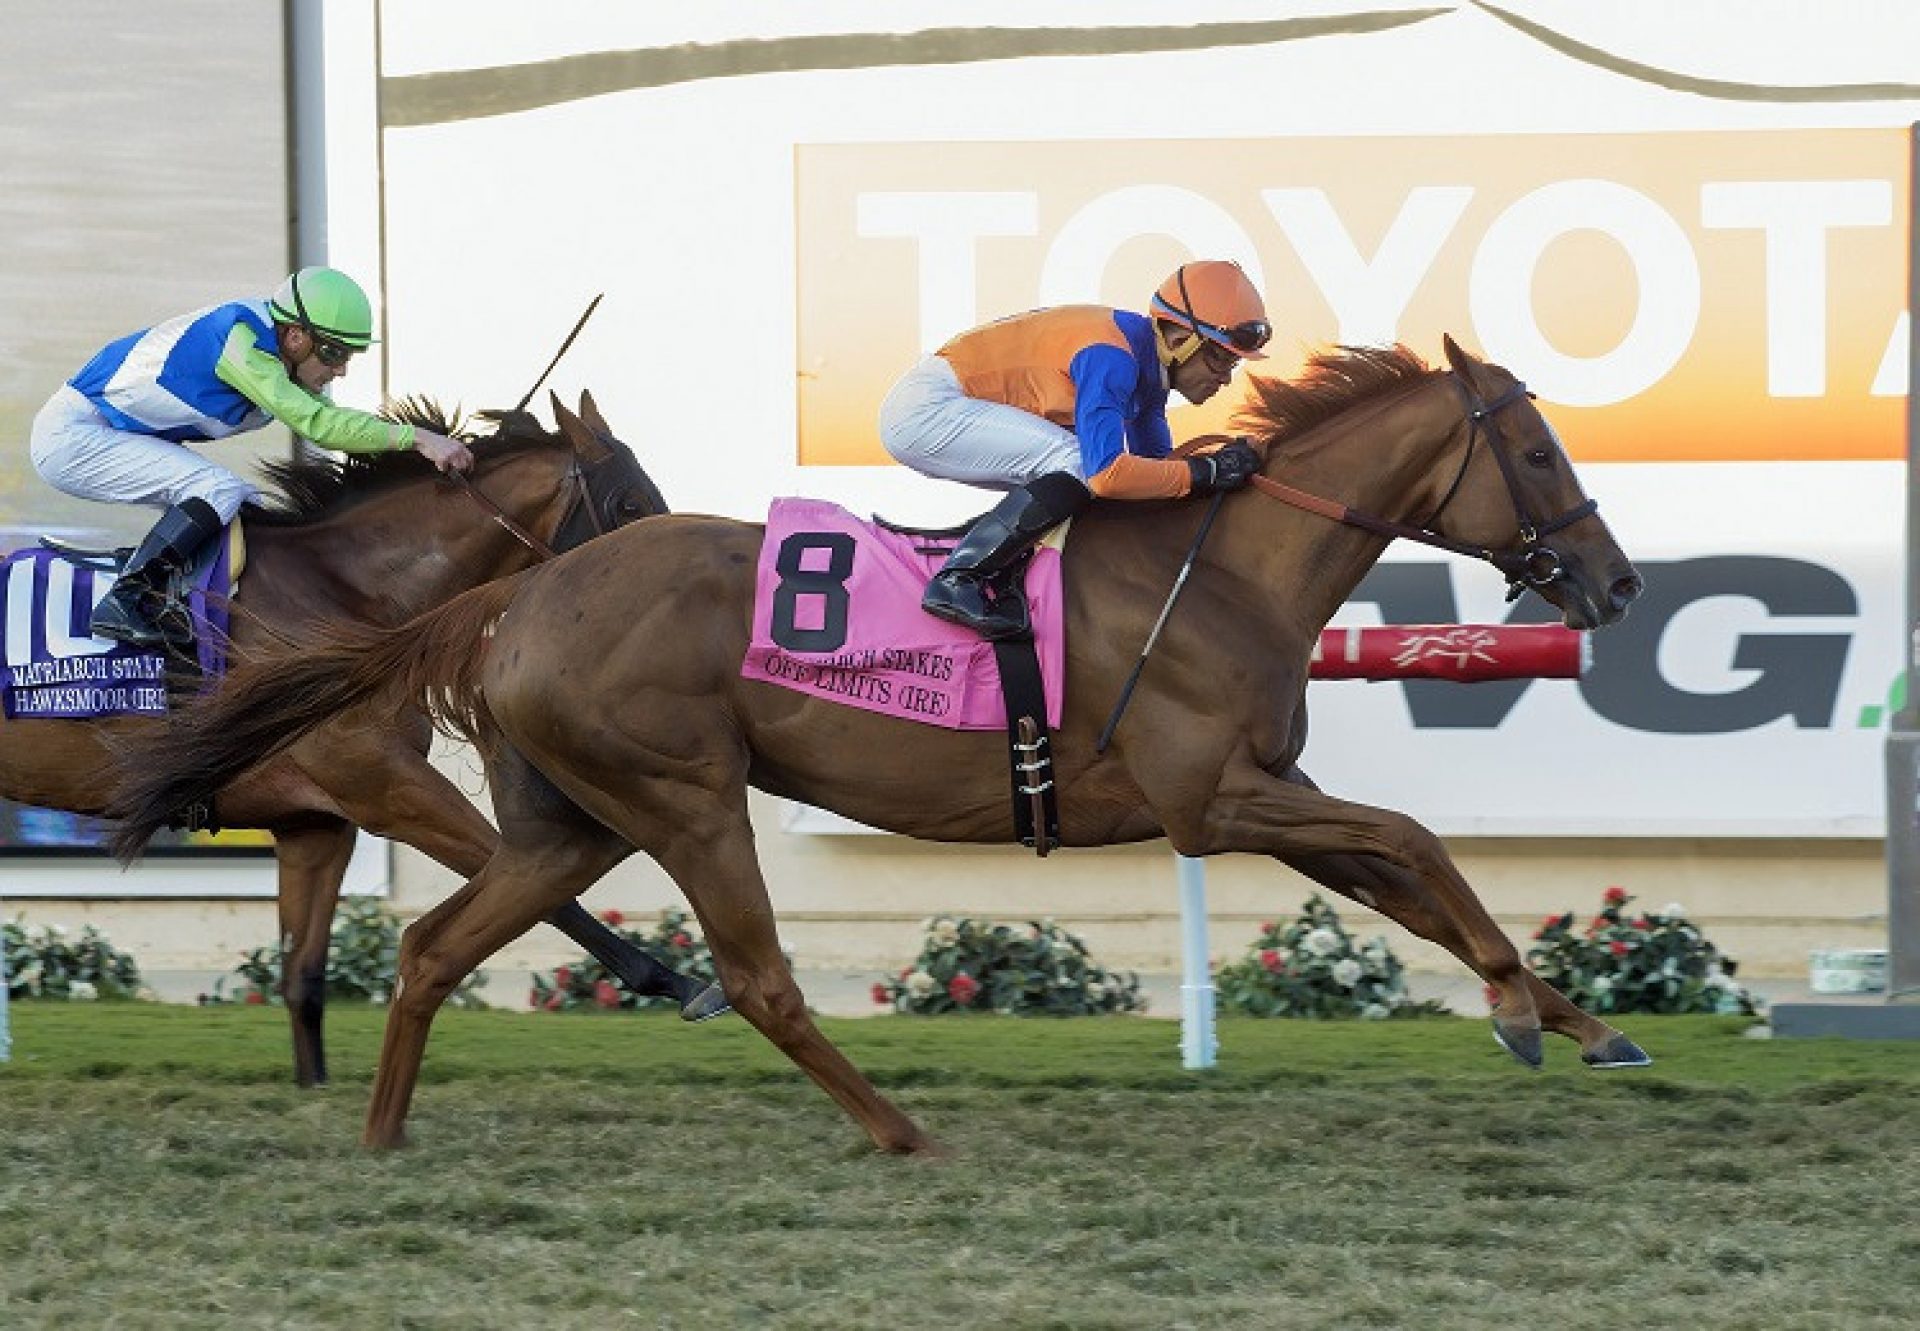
x=328, y=302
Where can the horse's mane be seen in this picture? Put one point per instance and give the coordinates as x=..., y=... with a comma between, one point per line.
x=1333, y=381
x=305, y=488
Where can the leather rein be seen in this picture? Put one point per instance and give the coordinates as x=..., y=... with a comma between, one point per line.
x=575, y=482
x=1533, y=563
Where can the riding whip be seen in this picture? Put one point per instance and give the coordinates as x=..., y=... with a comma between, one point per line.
x=521, y=405
x=1126, y=694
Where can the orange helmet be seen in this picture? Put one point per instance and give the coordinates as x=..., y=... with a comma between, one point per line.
x=1216, y=300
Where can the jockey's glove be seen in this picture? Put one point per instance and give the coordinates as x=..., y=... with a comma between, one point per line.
x=1226, y=468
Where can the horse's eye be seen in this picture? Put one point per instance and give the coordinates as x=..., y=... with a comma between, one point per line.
x=1539, y=457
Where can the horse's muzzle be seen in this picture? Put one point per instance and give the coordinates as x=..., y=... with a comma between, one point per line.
x=1624, y=592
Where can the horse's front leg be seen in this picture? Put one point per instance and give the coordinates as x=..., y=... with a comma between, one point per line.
x=1254, y=811
x=1401, y=896
x=311, y=858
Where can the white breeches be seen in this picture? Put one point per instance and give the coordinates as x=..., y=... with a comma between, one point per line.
x=927, y=423
x=80, y=454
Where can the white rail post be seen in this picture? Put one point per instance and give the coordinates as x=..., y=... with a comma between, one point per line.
x=1198, y=1046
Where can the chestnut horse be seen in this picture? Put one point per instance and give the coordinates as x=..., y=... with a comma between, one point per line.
x=605, y=693
x=375, y=539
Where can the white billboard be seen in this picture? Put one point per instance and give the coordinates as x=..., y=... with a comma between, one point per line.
x=1686, y=229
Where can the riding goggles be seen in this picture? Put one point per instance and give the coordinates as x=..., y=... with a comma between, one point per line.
x=1245, y=338
x=332, y=354
x=1249, y=336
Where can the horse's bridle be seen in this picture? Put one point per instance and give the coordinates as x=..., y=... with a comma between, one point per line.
x=579, y=486
x=1532, y=563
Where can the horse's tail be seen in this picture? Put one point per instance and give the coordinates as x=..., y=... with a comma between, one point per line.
x=262, y=708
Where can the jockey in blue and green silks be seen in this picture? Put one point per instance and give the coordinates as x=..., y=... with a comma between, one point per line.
x=119, y=429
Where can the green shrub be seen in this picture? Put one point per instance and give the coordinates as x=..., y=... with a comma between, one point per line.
x=1024, y=970
x=587, y=984
x=1311, y=967
x=42, y=962
x=363, y=953
x=1647, y=963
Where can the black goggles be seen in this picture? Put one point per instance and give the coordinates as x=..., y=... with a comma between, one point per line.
x=1249, y=336
x=1243, y=337
x=332, y=354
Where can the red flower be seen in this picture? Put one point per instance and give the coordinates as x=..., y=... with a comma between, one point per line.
x=1614, y=896
x=1599, y=922
x=962, y=988
x=1493, y=997
x=605, y=994
x=882, y=994
x=682, y=940
x=255, y=997
x=1267, y=927
x=533, y=998
x=1619, y=949
x=1270, y=960
x=555, y=999
x=563, y=978
x=613, y=919
x=1643, y=924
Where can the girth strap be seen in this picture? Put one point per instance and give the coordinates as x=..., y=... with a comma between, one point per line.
x=1036, y=814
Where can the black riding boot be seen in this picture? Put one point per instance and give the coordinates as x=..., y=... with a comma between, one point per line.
x=995, y=546
x=126, y=613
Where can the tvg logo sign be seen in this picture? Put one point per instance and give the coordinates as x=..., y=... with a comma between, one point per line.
x=1799, y=675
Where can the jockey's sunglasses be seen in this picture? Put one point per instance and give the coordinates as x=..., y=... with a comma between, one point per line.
x=1244, y=337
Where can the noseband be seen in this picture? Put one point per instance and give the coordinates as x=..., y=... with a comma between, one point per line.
x=1531, y=563
x=1535, y=563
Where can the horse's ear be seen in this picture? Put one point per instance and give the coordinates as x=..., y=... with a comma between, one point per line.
x=590, y=413
x=577, y=432
x=1456, y=358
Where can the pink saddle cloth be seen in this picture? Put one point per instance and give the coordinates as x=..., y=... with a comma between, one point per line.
x=836, y=616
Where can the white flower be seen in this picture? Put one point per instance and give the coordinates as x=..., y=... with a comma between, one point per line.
x=1323, y=942
x=945, y=932
x=1346, y=973
x=1602, y=983
x=1673, y=910
x=920, y=984
x=1373, y=1012
x=82, y=992
x=1095, y=991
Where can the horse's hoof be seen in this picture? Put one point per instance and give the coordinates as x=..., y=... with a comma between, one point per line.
x=1523, y=1042
x=709, y=1003
x=1619, y=1052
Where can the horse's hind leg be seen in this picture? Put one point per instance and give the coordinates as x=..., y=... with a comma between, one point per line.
x=524, y=881
x=312, y=862
x=710, y=855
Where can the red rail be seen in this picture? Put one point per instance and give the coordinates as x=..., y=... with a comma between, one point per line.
x=1463, y=652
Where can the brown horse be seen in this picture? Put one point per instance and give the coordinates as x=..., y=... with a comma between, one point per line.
x=605, y=692
x=376, y=539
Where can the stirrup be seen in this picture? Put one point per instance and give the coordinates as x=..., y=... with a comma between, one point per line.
x=945, y=600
